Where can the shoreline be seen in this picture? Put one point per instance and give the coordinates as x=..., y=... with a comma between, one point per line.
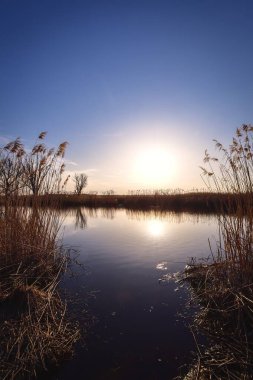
x=191, y=202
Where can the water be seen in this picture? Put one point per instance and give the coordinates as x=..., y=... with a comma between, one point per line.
x=137, y=333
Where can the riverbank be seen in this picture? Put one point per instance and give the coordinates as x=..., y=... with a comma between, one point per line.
x=222, y=287
x=36, y=332
x=192, y=202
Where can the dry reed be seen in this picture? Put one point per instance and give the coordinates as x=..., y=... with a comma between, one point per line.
x=35, y=332
x=190, y=202
x=223, y=289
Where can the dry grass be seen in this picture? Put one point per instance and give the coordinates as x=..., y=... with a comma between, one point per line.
x=37, y=171
x=203, y=202
x=234, y=175
x=223, y=289
x=35, y=332
x=225, y=317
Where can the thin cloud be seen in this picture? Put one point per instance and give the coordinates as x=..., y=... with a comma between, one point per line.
x=88, y=171
x=68, y=162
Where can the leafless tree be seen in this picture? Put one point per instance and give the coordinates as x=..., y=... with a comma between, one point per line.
x=80, y=181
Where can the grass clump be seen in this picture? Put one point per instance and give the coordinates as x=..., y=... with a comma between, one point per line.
x=35, y=332
x=37, y=171
x=223, y=287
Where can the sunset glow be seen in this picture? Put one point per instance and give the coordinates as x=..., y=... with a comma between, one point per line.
x=154, y=167
x=138, y=89
x=126, y=178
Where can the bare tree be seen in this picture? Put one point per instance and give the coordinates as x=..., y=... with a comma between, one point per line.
x=80, y=181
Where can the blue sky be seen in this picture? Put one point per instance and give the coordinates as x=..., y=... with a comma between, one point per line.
x=127, y=83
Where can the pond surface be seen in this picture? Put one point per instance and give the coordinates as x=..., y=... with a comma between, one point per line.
x=137, y=332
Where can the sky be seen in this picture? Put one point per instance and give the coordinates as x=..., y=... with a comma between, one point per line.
x=139, y=88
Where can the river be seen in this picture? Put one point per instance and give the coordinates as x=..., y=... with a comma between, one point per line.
x=138, y=331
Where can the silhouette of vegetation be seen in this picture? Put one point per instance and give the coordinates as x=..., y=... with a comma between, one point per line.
x=191, y=202
x=223, y=287
x=80, y=181
x=11, y=168
x=43, y=167
x=38, y=171
x=35, y=332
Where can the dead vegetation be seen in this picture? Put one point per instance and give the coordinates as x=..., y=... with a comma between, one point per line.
x=35, y=332
x=223, y=288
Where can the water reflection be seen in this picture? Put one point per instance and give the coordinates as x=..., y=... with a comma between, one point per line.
x=108, y=213
x=80, y=219
x=126, y=253
x=155, y=228
x=155, y=218
x=172, y=216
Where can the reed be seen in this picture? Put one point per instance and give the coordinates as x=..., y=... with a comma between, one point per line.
x=37, y=171
x=223, y=288
x=35, y=332
x=189, y=202
x=234, y=175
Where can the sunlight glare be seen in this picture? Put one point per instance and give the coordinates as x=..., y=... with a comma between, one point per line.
x=155, y=228
x=154, y=167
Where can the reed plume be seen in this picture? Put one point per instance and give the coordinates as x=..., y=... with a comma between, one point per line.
x=35, y=332
x=222, y=288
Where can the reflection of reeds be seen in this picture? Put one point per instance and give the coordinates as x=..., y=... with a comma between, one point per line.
x=166, y=215
x=224, y=288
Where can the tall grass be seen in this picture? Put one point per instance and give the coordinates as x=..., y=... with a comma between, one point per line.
x=232, y=173
x=37, y=171
x=224, y=288
x=191, y=202
x=34, y=330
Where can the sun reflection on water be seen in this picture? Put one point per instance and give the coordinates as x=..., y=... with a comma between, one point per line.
x=155, y=228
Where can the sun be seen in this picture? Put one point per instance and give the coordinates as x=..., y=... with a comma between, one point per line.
x=154, y=166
